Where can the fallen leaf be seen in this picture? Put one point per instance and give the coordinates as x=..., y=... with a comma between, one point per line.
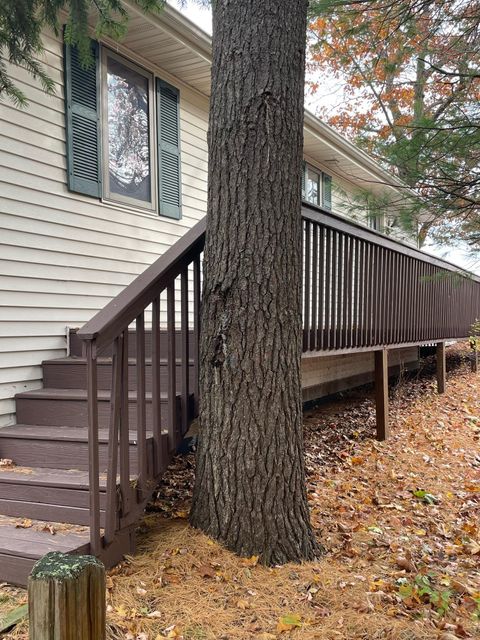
x=289, y=622
x=405, y=563
x=206, y=571
x=181, y=513
x=249, y=562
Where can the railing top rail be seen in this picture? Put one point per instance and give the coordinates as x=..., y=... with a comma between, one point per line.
x=120, y=312
x=354, y=229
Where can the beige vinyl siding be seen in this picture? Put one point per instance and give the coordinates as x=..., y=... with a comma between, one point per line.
x=63, y=256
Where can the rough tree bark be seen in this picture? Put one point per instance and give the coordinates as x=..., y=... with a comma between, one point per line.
x=250, y=483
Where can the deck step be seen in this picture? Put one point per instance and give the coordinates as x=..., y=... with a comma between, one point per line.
x=21, y=547
x=56, y=494
x=71, y=373
x=56, y=447
x=68, y=407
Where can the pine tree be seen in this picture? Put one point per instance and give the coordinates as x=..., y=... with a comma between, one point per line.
x=250, y=489
x=22, y=21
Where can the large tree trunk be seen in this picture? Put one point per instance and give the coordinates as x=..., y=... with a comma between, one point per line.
x=250, y=483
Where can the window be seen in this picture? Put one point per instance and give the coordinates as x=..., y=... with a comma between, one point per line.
x=127, y=132
x=375, y=220
x=123, y=133
x=317, y=187
x=313, y=186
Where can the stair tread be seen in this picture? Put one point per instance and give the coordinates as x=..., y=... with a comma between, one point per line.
x=59, y=478
x=80, y=394
x=75, y=434
x=33, y=542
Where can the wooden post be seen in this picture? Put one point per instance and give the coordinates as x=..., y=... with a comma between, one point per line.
x=66, y=598
x=474, y=361
x=381, y=394
x=441, y=367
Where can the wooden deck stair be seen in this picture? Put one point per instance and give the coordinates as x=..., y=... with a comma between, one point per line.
x=49, y=482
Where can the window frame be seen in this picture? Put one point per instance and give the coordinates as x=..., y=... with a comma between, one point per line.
x=107, y=195
x=321, y=186
x=319, y=173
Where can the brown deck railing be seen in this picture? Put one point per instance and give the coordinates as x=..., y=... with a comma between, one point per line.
x=109, y=330
x=362, y=291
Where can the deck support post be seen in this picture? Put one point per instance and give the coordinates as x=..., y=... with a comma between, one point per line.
x=441, y=367
x=381, y=394
x=66, y=598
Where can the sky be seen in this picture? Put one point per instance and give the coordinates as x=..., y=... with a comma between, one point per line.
x=202, y=17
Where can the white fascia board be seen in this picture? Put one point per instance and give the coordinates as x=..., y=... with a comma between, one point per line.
x=353, y=154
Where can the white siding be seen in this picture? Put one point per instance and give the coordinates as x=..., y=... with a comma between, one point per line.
x=64, y=256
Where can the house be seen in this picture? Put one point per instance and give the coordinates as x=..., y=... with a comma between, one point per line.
x=97, y=182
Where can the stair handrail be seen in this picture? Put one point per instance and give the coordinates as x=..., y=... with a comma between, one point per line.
x=109, y=328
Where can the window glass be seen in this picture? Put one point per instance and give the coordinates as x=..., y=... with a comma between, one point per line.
x=128, y=112
x=313, y=183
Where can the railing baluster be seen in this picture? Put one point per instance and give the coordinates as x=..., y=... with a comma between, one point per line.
x=377, y=288
x=156, y=410
x=367, y=296
x=417, y=300
x=141, y=406
x=319, y=343
x=352, y=292
x=327, y=339
x=356, y=270
x=111, y=508
x=125, y=488
x=93, y=448
x=383, y=310
x=172, y=377
x=314, y=321
x=340, y=275
x=306, y=287
x=185, y=350
x=196, y=330
x=347, y=302
x=391, y=294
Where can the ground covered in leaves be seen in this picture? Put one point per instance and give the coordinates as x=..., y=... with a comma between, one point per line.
x=399, y=522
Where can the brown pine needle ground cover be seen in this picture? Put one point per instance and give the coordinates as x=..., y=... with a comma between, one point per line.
x=399, y=522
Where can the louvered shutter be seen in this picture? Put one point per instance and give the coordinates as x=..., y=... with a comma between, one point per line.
x=82, y=106
x=327, y=191
x=168, y=120
x=304, y=171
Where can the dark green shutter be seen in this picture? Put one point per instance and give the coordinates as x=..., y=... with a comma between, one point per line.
x=326, y=191
x=82, y=106
x=304, y=171
x=168, y=121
